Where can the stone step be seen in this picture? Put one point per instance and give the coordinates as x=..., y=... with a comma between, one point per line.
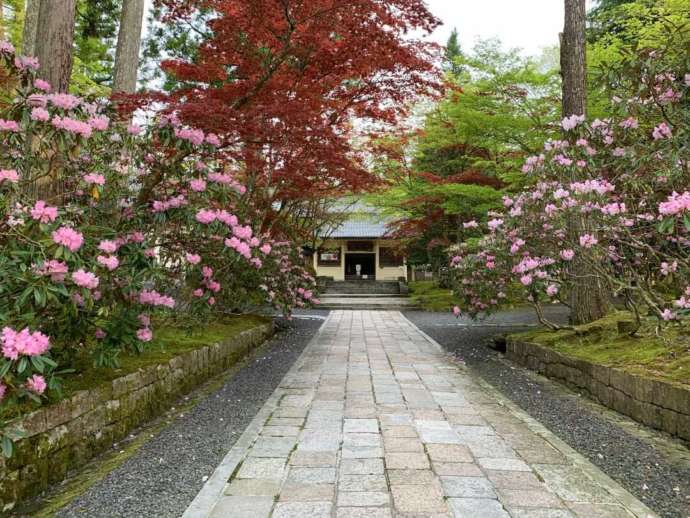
x=363, y=287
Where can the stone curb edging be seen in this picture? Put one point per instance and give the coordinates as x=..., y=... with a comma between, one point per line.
x=625, y=497
x=64, y=436
x=654, y=403
x=212, y=491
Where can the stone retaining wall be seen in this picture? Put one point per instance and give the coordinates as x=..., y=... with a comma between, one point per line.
x=64, y=436
x=655, y=403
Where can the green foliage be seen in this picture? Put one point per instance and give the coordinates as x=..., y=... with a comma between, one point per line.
x=95, y=38
x=168, y=41
x=453, y=54
x=505, y=108
x=621, y=32
x=12, y=20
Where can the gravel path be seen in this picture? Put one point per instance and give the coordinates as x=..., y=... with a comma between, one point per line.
x=164, y=476
x=658, y=478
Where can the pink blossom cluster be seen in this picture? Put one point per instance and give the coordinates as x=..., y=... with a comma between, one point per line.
x=194, y=136
x=85, y=279
x=69, y=238
x=171, y=203
x=73, y=126
x=64, y=101
x=675, y=204
x=153, y=298
x=9, y=175
x=24, y=343
x=57, y=270
x=44, y=213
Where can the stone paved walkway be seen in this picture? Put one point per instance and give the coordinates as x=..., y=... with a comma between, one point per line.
x=375, y=421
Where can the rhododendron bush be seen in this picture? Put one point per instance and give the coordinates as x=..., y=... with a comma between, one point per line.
x=94, y=252
x=613, y=194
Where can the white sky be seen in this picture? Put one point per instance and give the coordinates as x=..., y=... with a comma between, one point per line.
x=527, y=24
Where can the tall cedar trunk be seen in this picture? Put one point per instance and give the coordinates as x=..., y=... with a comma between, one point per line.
x=54, y=46
x=588, y=298
x=30, y=27
x=128, y=43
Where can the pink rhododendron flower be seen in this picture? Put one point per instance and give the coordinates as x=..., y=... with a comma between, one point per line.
x=72, y=126
x=144, y=334
x=42, y=85
x=56, y=269
x=588, y=241
x=567, y=255
x=675, y=204
x=40, y=114
x=108, y=246
x=456, y=311
x=134, y=129
x=197, y=185
x=193, y=258
x=526, y=280
x=94, y=179
x=23, y=342
x=662, y=131
x=85, y=279
x=64, y=101
x=552, y=290
x=196, y=137
x=37, y=384
x=69, y=238
x=8, y=126
x=100, y=334
x=668, y=315
x=572, y=122
x=205, y=216
x=495, y=223
x=110, y=262
x=43, y=213
x=153, y=298
x=9, y=175
x=198, y=292
x=26, y=63
x=265, y=249
x=99, y=122
x=669, y=268
x=213, y=139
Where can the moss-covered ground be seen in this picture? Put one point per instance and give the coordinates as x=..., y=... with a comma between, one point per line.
x=665, y=355
x=430, y=297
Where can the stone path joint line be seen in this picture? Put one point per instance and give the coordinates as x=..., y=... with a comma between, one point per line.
x=375, y=421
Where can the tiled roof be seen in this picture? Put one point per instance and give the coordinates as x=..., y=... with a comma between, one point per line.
x=359, y=228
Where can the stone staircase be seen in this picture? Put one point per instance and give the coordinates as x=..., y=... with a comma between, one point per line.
x=366, y=295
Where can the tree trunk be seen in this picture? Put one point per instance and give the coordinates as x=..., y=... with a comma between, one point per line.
x=30, y=27
x=54, y=46
x=573, y=59
x=128, y=44
x=588, y=298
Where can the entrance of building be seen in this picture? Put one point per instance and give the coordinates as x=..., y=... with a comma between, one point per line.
x=366, y=270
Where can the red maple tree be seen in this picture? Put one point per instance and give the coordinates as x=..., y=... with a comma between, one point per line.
x=281, y=81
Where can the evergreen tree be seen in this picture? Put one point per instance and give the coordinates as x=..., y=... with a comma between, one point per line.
x=453, y=54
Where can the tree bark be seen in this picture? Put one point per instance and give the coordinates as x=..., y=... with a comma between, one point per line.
x=54, y=46
x=589, y=298
x=574, y=59
x=128, y=45
x=30, y=27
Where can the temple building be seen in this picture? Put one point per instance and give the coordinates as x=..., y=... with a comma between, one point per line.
x=358, y=249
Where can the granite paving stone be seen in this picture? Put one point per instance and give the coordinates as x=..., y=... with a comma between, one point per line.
x=374, y=421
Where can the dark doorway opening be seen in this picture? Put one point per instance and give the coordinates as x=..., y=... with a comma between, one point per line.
x=367, y=270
